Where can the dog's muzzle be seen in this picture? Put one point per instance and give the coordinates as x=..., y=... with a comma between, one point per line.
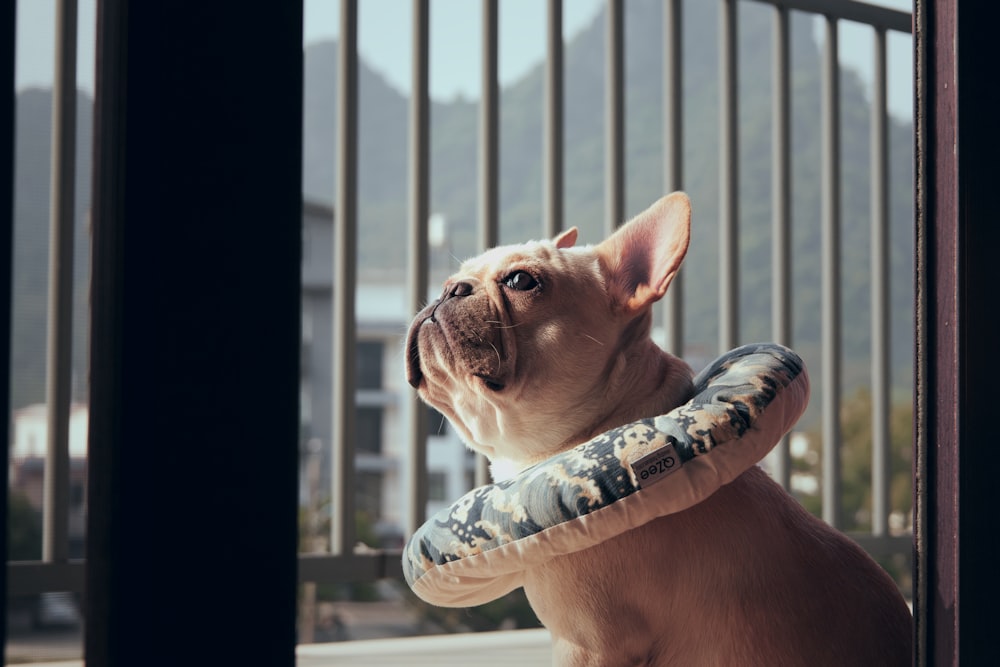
x=456, y=289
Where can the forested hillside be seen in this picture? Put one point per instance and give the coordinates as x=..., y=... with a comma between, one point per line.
x=383, y=150
x=383, y=190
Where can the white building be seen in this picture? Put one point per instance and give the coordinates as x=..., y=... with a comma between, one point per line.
x=382, y=320
x=26, y=466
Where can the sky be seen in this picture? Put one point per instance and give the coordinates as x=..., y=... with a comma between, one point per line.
x=384, y=42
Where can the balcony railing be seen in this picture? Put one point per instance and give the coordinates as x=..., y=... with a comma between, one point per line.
x=56, y=572
x=342, y=565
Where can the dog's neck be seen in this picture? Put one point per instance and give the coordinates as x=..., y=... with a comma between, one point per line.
x=640, y=380
x=645, y=382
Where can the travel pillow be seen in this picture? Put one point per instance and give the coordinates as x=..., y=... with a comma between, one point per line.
x=477, y=549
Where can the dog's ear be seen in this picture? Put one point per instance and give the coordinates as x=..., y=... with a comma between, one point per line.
x=643, y=255
x=566, y=239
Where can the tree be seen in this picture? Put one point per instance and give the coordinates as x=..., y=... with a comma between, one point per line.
x=856, y=474
x=24, y=537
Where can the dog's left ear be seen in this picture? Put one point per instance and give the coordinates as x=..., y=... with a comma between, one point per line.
x=643, y=255
x=566, y=239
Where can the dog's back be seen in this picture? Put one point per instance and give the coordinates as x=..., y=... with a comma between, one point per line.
x=747, y=577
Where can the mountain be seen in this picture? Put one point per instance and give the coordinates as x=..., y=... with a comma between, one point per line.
x=31, y=240
x=382, y=174
x=383, y=153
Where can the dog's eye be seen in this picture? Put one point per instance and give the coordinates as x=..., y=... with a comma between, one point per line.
x=521, y=281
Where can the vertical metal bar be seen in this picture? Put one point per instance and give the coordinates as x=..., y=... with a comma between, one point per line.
x=728, y=178
x=489, y=130
x=831, y=276
x=553, y=140
x=342, y=444
x=881, y=450
x=419, y=208
x=482, y=470
x=489, y=153
x=59, y=389
x=673, y=154
x=927, y=422
x=781, y=229
x=614, y=116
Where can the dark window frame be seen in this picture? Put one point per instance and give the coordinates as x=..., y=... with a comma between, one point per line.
x=957, y=144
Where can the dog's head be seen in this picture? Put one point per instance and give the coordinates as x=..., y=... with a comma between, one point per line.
x=530, y=347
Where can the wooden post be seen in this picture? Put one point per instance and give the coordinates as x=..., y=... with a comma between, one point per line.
x=956, y=361
x=193, y=475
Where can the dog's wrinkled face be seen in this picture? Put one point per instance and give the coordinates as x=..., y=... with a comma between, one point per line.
x=523, y=347
x=491, y=353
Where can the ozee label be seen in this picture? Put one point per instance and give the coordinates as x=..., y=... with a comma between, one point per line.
x=656, y=465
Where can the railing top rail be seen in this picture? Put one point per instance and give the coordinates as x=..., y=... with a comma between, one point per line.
x=849, y=10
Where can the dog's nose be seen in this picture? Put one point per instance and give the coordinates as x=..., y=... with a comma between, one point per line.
x=460, y=288
x=451, y=289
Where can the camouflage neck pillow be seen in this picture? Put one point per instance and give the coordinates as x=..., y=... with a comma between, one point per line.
x=477, y=550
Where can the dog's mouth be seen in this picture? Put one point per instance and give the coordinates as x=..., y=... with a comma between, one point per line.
x=490, y=383
x=482, y=360
x=414, y=376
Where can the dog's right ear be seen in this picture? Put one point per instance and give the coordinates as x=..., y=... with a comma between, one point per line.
x=643, y=255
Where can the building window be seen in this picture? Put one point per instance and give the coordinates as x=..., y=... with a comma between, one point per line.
x=76, y=495
x=370, y=364
x=437, y=486
x=369, y=430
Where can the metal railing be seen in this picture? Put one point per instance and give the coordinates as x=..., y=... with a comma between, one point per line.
x=342, y=564
x=56, y=572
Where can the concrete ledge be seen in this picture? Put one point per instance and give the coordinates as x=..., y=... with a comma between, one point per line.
x=524, y=648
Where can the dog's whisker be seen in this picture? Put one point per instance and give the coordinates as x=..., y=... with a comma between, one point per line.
x=501, y=325
x=498, y=356
x=594, y=339
x=440, y=426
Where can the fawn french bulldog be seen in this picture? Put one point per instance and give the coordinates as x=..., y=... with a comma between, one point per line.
x=533, y=349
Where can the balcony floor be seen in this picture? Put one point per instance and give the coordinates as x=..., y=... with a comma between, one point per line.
x=524, y=648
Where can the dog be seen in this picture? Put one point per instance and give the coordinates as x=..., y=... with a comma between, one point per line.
x=535, y=348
